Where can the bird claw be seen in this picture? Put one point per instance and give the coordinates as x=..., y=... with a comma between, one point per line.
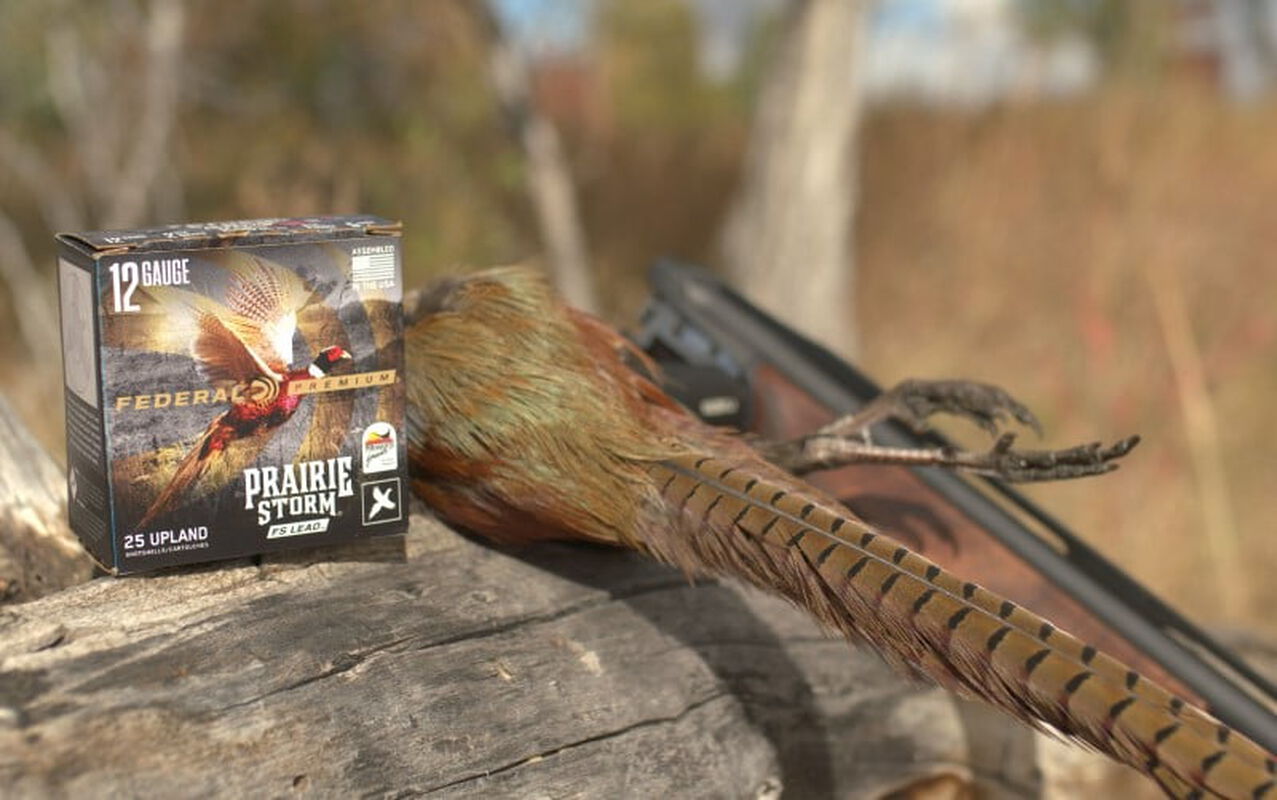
x=913, y=402
x=1024, y=466
x=988, y=406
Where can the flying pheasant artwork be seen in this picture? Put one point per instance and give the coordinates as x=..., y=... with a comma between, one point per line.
x=525, y=422
x=244, y=346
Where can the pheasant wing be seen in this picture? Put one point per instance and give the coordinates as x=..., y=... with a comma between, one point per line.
x=267, y=296
x=227, y=344
x=223, y=355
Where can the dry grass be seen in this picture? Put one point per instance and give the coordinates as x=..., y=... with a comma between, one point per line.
x=1028, y=246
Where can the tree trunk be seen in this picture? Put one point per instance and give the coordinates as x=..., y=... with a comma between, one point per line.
x=787, y=239
x=549, y=177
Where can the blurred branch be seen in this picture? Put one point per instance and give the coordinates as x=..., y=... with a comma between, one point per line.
x=150, y=150
x=787, y=238
x=73, y=100
x=29, y=295
x=120, y=132
x=1201, y=429
x=549, y=176
x=57, y=205
x=122, y=147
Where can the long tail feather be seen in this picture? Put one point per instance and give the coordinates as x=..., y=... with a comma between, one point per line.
x=188, y=471
x=744, y=518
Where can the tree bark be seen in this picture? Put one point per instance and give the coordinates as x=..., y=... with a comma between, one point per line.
x=437, y=665
x=787, y=238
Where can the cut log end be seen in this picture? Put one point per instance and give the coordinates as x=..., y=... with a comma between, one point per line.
x=38, y=552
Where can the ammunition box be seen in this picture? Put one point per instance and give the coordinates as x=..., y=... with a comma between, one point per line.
x=233, y=388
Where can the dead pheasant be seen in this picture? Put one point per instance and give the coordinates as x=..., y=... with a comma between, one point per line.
x=526, y=423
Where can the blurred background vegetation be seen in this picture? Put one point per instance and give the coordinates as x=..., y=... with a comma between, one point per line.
x=1070, y=198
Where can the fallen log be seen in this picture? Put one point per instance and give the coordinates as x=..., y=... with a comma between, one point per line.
x=434, y=664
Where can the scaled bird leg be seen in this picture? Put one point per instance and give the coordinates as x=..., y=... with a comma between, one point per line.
x=847, y=441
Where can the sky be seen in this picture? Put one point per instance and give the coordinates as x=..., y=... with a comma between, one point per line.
x=552, y=24
x=565, y=23
x=947, y=51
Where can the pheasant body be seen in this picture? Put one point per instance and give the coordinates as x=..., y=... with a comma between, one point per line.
x=525, y=421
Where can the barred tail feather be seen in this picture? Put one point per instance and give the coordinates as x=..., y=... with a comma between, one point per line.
x=189, y=470
x=744, y=518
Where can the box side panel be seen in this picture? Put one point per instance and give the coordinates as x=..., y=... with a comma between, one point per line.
x=88, y=491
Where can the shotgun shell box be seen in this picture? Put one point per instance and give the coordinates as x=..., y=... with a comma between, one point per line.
x=233, y=388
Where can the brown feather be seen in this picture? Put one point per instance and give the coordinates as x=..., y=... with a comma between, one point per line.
x=222, y=356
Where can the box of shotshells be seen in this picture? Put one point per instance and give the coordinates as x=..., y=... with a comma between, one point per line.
x=232, y=388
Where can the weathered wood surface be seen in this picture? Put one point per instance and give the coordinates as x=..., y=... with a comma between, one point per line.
x=38, y=552
x=437, y=665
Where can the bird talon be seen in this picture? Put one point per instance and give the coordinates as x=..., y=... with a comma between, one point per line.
x=988, y=407
x=1026, y=466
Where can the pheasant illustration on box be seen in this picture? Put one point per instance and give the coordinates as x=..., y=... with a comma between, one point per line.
x=238, y=369
x=245, y=347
